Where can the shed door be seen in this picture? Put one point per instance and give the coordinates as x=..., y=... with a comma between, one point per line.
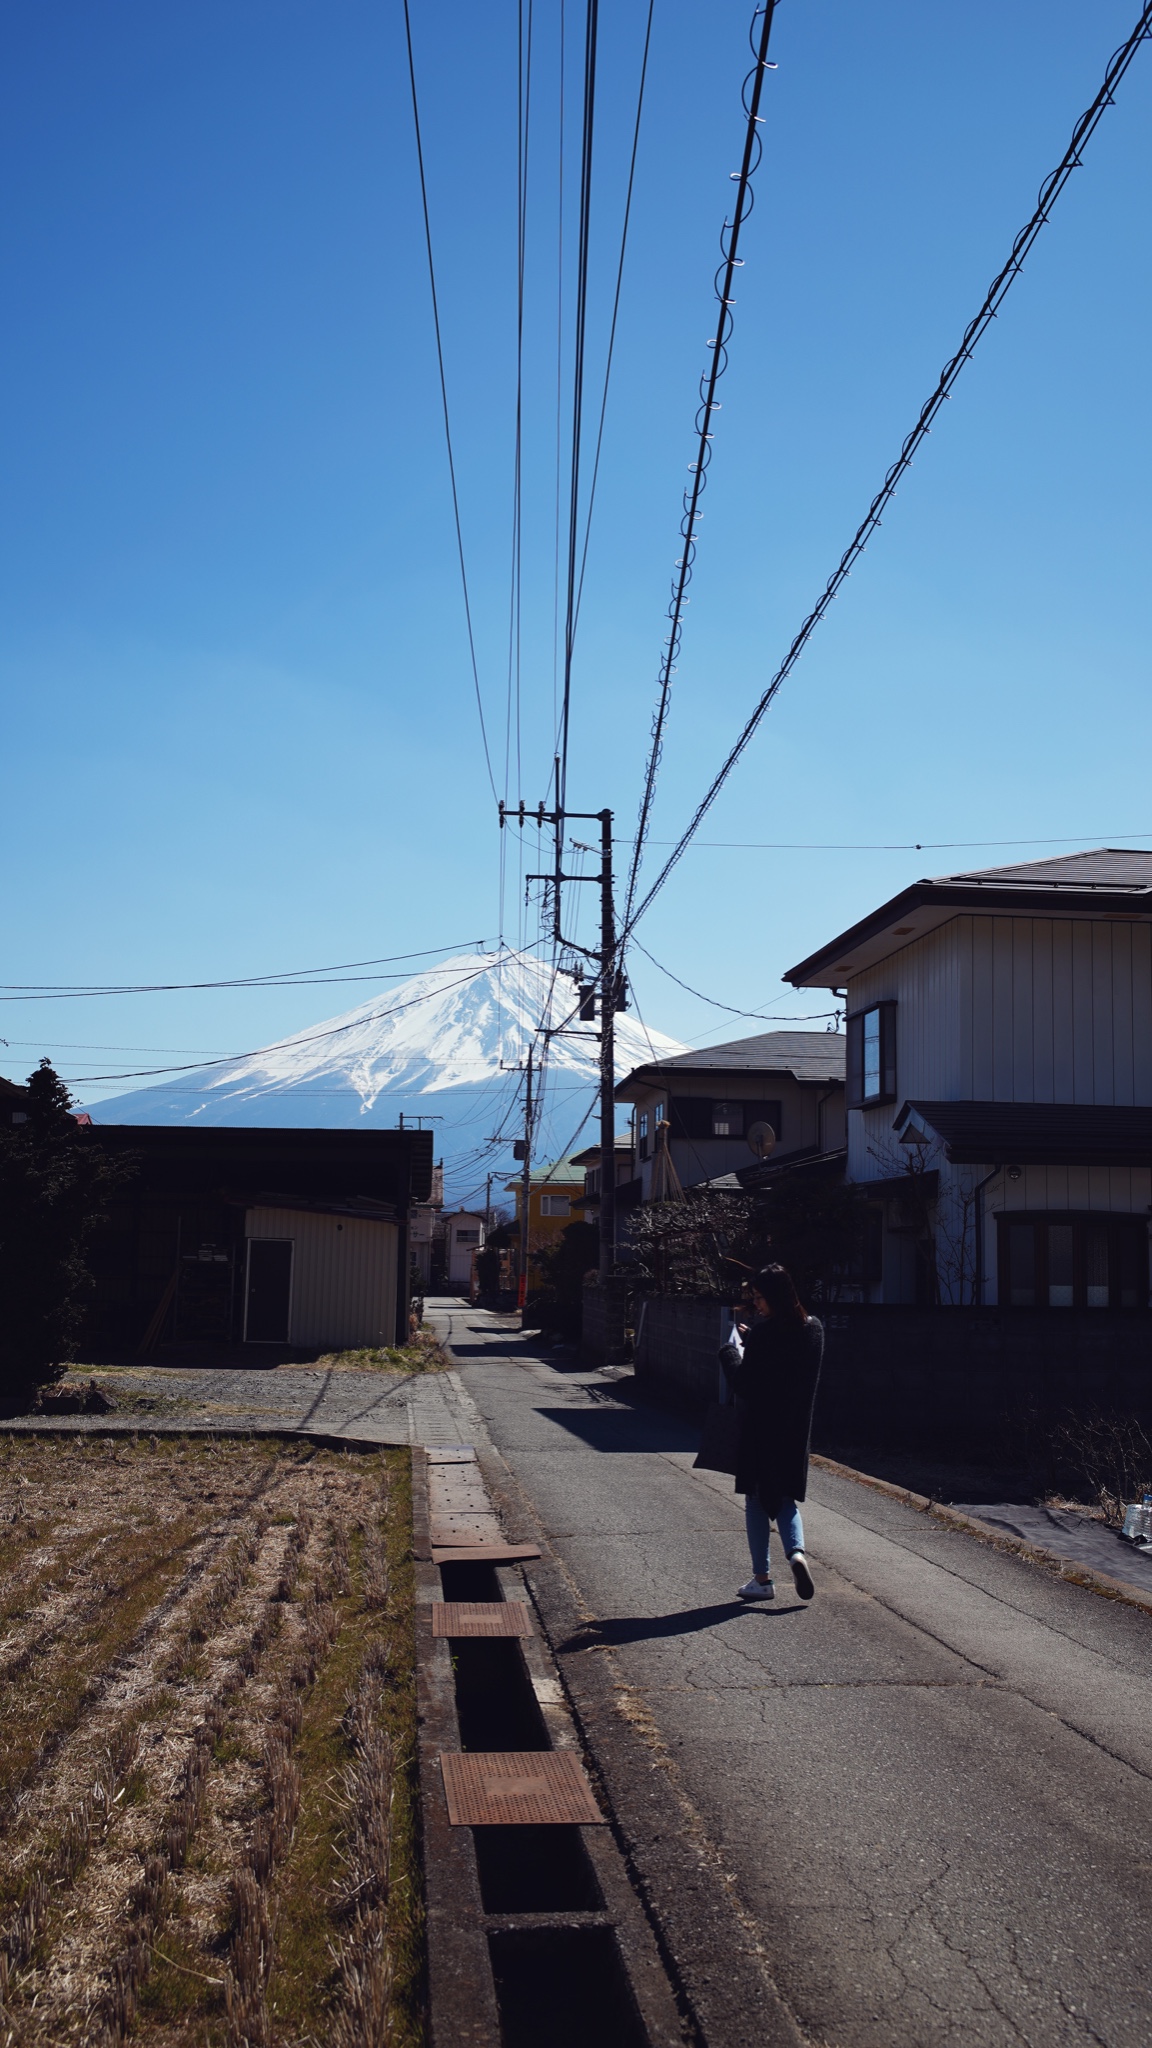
x=269, y=1294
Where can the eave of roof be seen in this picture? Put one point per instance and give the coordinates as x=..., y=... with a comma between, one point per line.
x=804, y=1056
x=1036, y=1133
x=933, y=903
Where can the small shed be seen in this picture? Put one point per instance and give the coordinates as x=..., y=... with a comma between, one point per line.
x=320, y=1274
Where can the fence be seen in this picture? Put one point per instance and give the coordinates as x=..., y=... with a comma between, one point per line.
x=989, y=1383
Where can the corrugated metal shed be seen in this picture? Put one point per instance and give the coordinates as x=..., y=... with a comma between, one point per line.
x=343, y=1275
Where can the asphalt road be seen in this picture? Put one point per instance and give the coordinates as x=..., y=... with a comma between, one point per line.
x=927, y=1798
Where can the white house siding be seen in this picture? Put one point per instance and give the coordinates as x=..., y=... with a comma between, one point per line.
x=1011, y=1009
x=343, y=1276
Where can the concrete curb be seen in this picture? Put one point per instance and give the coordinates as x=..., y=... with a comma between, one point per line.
x=1088, y=1576
x=100, y=1427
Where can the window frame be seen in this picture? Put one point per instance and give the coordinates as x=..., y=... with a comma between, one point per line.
x=1112, y=1222
x=855, y=1026
x=548, y=1202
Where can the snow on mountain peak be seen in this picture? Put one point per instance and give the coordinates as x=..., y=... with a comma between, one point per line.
x=446, y=1041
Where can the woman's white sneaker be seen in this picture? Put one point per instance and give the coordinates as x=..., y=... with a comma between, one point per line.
x=801, y=1576
x=756, y=1589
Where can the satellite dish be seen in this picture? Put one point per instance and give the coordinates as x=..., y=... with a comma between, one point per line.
x=761, y=1140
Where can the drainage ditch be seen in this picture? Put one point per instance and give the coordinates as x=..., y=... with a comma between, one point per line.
x=552, y=1938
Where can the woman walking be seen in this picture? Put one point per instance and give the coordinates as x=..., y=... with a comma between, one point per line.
x=775, y=1386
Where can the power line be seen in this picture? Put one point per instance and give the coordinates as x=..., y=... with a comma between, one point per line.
x=997, y=292
x=698, y=470
x=291, y=977
x=290, y=1044
x=444, y=395
x=591, y=24
x=806, y=1017
x=891, y=845
x=615, y=304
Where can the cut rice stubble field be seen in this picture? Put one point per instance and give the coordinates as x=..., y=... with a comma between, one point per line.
x=208, y=1811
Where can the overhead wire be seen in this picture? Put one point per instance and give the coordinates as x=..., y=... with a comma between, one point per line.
x=615, y=305
x=290, y=977
x=698, y=470
x=290, y=1044
x=444, y=398
x=591, y=27
x=806, y=1017
x=994, y=298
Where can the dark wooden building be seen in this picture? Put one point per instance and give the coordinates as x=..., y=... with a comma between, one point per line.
x=228, y=1236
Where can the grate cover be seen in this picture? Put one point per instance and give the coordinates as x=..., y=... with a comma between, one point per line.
x=540, y=1787
x=483, y=1553
x=481, y=1618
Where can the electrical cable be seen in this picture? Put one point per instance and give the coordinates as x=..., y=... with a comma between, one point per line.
x=806, y=1016
x=698, y=470
x=591, y=24
x=997, y=291
x=291, y=977
x=615, y=307
x=289, y=1044
x=444, y=397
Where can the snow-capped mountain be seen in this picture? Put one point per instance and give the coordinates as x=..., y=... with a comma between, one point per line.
x=443, y=1045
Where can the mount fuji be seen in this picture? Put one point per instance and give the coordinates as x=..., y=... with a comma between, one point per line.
x=446, y=1046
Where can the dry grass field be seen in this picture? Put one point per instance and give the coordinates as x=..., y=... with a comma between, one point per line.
x=208, y=1819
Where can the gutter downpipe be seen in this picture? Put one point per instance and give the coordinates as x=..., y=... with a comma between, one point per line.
x=978, y=1191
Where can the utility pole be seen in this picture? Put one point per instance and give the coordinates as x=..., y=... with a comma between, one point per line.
x=526, y=1190
x=607, y=1054
x=611, y=999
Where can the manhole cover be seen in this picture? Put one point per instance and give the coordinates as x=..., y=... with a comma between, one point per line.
x=481, y=1618
x=545, y=1787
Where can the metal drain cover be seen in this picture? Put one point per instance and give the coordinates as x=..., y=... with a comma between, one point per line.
x=515, y=1787
x=483, y=1553
x=481, y=1618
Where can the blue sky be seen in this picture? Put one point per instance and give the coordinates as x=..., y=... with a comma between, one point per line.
x=239, y=731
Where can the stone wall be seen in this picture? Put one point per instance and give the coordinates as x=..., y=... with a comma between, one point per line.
x=987, y=1383
x=676, y=1342
x=603, y=1323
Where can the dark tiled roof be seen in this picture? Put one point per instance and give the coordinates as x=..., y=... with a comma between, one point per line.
x=807, y=1055
x=1105, y=867
x=1038, y=1133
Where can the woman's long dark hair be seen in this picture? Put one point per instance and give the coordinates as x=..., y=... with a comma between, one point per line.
x=776, y=1285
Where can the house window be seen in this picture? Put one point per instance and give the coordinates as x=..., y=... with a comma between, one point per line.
x=555, y=1205
x=467, y=1237
x=1069, y=1261
x=872, y=1056
x=642, y=1133
x=693, y=1117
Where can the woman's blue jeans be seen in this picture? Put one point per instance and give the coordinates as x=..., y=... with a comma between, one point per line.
x=758, y=1523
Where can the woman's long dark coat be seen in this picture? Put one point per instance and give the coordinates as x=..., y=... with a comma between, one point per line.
x=776, y=1391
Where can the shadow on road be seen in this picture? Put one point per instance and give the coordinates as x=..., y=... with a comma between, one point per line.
x=639, y=1628
x=626, y=1429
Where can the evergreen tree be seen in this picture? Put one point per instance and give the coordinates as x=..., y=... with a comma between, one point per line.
x=54, y=1188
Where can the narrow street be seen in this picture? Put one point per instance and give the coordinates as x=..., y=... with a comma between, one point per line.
x=914, y=1813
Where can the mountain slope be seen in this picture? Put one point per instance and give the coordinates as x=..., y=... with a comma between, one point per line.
x=438, y=1046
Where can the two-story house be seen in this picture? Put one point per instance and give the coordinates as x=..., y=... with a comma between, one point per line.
x=999, y=1082
x=700, y=1109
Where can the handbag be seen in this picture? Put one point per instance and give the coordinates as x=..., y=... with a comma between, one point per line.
x=720, y=1441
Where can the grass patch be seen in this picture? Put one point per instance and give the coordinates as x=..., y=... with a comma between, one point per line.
x=424, y=1354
